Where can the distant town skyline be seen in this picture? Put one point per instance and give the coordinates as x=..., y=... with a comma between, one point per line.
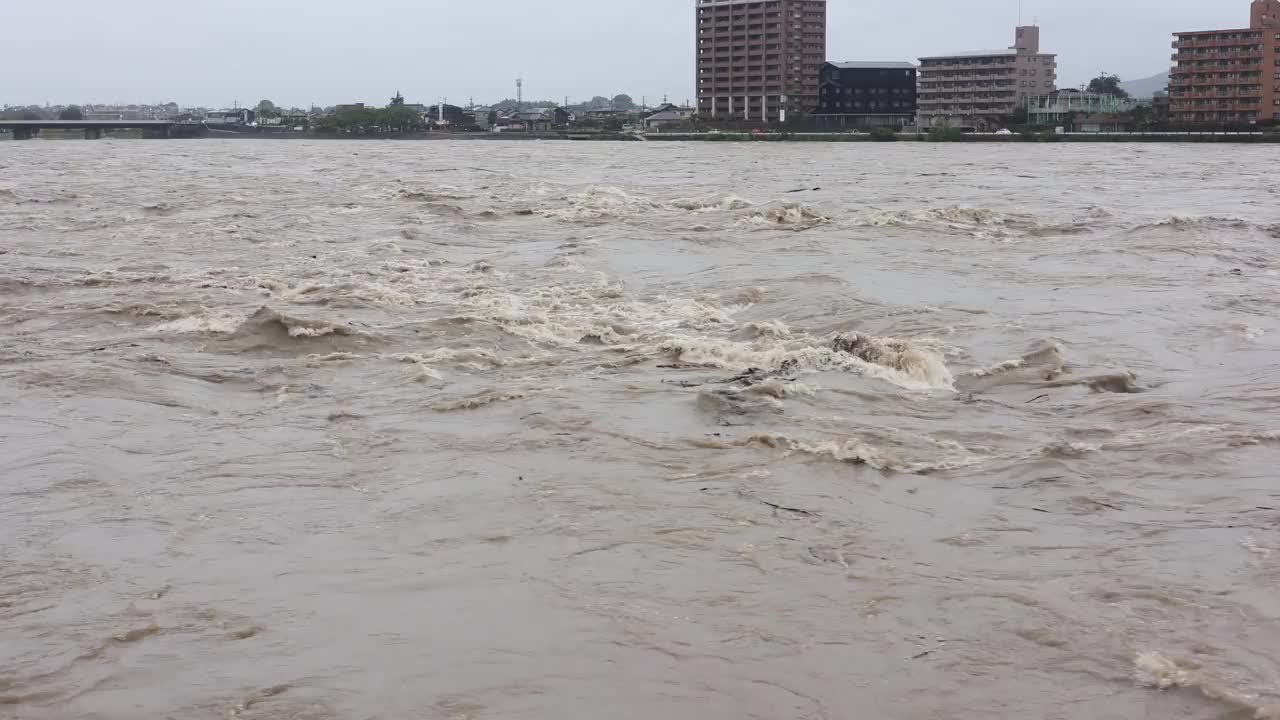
x=323, y=52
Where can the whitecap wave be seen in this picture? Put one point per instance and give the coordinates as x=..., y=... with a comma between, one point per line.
x=786, y=216
x=708, y=204
x=898, y=361
x=1156, y=670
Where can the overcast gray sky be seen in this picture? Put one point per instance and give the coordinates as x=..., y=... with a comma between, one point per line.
x=295, y=52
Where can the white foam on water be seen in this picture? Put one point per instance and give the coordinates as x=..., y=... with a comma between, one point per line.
x=785, y=216
x=1153, y=669
x=713, y=203
x=208, y=321
x=897, y=361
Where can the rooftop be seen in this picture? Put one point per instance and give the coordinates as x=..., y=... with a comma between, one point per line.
x=1218, y=32
x=974, y=53
x=890, y=65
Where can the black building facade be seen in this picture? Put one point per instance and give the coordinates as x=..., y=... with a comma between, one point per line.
x=857, y=95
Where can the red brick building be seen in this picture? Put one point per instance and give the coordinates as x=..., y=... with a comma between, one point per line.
x=759, y=59
x=1228, y=75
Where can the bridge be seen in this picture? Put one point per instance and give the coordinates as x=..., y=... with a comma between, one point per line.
x=27, y=129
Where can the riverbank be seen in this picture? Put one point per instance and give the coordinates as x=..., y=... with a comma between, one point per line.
x=250, y=134
x=795, y=137
x=974, y=138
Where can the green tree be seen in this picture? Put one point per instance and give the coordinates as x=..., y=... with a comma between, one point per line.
x=1107, y=84
x=599, y=101
x=72, y=112
x=266, y=109
x=15, y=113
x=349, y=120
x=397, y=100
x=399, y=118
x=884, y=134
x=623, y=102
x=1143, y=116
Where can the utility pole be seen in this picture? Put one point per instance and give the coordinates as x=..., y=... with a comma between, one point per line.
x=519, y=94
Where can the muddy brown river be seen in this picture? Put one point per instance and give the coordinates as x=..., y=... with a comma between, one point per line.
x=694, y=431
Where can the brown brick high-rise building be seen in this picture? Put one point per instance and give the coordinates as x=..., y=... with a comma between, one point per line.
x=759, y=59
x=1228, y=75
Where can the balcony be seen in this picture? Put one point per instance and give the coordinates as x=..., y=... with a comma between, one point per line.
x=1215, y=107
x=926, y=101
x=1249, y=54
x=953, y=87
x=1215, y=42
x=966, y=67
x=1255, y=94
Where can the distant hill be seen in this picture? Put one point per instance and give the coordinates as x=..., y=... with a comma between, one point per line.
x=1146, y=87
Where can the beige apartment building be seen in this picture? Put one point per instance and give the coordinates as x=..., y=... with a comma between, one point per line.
x=1228, y=76
x=979, y=89
x=759, y=60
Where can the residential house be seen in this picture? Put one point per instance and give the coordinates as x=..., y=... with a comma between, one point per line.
x=667, y=118
x=543, y=119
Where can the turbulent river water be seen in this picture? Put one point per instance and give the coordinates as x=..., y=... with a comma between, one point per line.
x=469, y=430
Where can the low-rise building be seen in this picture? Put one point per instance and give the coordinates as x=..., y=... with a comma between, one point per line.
x=484, y=117
x=866, y=95
x=446, y=115
x=238, y=116
x=606, y=114
x=979, y=89
x=666, y=114
x=1059, y=106
x=668, y=117
x=1228, y=76
x=542, y=119
x=1103, y=123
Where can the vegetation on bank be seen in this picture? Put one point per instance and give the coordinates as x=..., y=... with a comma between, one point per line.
x=372, y=120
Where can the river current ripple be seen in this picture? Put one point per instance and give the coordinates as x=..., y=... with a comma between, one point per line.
x=464, y=430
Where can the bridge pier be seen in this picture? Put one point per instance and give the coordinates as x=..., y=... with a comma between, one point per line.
x=25, y=133
x=92, y=133
x=153, y=133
